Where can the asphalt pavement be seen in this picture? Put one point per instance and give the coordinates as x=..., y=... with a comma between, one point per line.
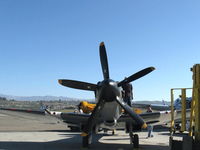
x=20, y=131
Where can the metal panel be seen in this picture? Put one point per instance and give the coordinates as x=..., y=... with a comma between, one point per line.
x=183, y=110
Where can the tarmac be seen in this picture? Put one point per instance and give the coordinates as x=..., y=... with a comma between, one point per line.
x=20, y=131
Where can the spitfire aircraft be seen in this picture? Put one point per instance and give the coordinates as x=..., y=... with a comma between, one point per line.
x=109, y=104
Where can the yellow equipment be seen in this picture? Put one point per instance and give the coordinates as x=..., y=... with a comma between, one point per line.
x=183, y=109
x=89, y=107
x=191, y=142
x=195, y=112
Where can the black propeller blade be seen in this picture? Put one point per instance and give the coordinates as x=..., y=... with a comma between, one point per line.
x=78, y=84
x=93, y=117
x=133, y=115
x=104, y=60
x=136, y=75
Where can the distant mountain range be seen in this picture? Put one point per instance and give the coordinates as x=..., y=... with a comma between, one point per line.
x=63, y=98
x=37, y=98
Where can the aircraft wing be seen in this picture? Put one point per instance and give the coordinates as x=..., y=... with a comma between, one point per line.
x=74, y=118
x=25, y=110
x=156, y=107
x=155, y=118
x=150, y=118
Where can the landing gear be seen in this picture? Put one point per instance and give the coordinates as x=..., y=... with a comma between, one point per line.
x=113, y=132
x=134, y=138
x=86, y=141
x=135, y=141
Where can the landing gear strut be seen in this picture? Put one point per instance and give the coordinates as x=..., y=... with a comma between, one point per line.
x=87, y=140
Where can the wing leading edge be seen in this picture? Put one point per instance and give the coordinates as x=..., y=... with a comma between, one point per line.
x=149, y=118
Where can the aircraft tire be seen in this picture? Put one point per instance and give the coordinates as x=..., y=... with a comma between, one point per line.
x=135, y=141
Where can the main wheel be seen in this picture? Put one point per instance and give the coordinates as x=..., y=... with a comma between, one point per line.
x=136, y=141
x=113, y=132
x=86, y=141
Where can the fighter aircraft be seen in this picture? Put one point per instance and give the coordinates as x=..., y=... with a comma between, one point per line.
x=109, y=105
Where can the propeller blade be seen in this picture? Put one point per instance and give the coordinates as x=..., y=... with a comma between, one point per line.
x=93, y=117
x=78, y=84
x=136, y=76
x=132, y=114
x=104, y=60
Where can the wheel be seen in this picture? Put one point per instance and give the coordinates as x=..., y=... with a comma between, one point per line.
x=113, y=132
x=178, y=127
x=86, y=141
x=136, y=141
x=105, y=131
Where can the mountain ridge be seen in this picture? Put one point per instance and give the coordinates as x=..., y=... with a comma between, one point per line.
x=37, y=98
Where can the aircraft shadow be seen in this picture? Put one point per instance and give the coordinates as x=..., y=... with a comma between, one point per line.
x=64, y=131
x=73, y=143
x=176, y=134
x=161, y=130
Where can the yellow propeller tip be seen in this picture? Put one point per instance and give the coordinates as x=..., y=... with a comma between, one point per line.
x=144, y=126
x=60, y=81
x=102, y=44
x=84, y=134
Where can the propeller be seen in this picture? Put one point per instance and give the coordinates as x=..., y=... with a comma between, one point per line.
x=78, y=84
x=104, y=60
x=101, y=101
x=136, y=76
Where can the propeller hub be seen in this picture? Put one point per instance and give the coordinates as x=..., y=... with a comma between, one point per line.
x=110, y=90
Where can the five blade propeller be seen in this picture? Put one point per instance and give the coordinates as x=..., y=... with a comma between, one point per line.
x=93, y=87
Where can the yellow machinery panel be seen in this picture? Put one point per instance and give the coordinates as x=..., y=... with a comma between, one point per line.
x=195, y=106
x=195, y=113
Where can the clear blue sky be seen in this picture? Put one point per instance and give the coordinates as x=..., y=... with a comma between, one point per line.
x=45, y=40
